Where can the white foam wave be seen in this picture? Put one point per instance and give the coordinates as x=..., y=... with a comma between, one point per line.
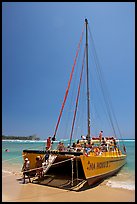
x=31, y=141
x=121, y=184
x=127, y=140
x=4, y=171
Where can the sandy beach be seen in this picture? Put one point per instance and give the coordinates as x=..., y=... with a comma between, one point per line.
x=14, y=191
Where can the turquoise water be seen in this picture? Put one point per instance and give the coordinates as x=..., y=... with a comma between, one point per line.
x=12, y=161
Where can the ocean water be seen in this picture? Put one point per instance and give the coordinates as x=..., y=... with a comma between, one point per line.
x=12, y=161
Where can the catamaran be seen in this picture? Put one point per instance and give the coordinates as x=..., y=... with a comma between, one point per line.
x=96, y=159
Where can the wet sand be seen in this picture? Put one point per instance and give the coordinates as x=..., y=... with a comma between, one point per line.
x=14, y=191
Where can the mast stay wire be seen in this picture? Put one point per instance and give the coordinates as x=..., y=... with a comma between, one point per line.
x=102, y=81
x=69, y=83
x=71, y=94
x=82, y=101
x=99, y=99
x=77, y=98
x=102, y=88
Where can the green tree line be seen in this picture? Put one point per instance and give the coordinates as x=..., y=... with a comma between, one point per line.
x=32, y=137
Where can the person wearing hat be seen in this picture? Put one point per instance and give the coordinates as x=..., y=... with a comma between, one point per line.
x=25, y=168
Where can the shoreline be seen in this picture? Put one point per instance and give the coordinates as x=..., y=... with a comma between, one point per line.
x=118, y=181
x=14, y=191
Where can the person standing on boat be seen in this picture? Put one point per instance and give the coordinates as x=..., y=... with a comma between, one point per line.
x=100, y=135
x=48, y=147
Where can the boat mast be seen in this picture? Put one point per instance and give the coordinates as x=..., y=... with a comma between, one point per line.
x=88, y=98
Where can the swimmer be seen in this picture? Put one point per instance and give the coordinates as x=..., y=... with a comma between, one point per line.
x=6, y=150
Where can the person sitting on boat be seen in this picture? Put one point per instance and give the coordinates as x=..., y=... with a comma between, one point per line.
x=25, y=168
x=60, y=147
x=97, y=150
x=103, y=140
x=85, y=149
x=104, y=145
x=68, y=148
x=38, y=166
x=83, y=137
x=48, y=143
x=73, y=147
x=88, y=148
x=89, y=144
x=111, y=146
x=92, y=147
x=78, y=146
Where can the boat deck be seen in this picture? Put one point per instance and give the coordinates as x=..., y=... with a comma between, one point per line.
x=63, y=183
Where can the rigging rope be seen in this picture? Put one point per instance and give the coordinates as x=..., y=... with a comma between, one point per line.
x=101, y=83
x=99, y=99
x=67, y=90
x=72, y=94
x=77, y=98
x=108, y=102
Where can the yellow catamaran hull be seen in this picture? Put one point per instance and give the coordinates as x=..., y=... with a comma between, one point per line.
x=91, y=168
x=97, y=168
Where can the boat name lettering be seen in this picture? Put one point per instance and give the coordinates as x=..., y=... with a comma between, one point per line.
x=98, y=165
x=91, y=166
x=102, y=164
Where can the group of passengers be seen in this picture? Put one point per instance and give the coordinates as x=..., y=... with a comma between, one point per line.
x=105, y=145
x=89, y=146
x=39, y=166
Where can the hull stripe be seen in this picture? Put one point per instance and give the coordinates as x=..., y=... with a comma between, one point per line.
x=117, y=160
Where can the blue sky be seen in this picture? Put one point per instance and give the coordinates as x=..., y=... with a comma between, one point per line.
x=39, y=43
